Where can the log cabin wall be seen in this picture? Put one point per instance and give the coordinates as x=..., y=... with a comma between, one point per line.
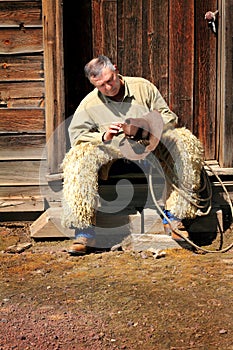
x=22, y=95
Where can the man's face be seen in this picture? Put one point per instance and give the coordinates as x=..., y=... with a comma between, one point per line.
x=108, y=82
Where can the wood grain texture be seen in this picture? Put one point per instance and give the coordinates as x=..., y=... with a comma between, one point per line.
x=130, y=55
x=22, y=93
x=26, y=172
x=21, y=41
x=22, y=120
x=155, y=44
x=32, y=203
x=181, y=60
x=20, y=13
x=205, y=79
x=22, y=147
x=54, y=82
x=225, y=87
x=18, y=68
x=104, y=28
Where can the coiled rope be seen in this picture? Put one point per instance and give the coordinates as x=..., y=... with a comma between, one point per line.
x=207, y=185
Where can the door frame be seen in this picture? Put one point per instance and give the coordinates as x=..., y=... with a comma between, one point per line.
x=52, y=12
x=224, y=132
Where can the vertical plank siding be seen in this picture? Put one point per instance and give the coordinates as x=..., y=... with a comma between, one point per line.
x=130, y=58
x=156, y=44
x=181, y=52
x=169, y=43
x=104, y=27
x=205, y=79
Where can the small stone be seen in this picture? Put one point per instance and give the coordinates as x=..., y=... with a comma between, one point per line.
x=143, y=255
x=116, y=247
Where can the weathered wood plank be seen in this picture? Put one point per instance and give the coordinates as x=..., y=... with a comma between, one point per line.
x=181, y=60
x=21, y=68
x=18, y=41
x=205, y=79
x=130, y=55
x=52, y=194
x=54, y=82
x=225, y=86
x=219, y=195
x=155, y=44
x=20, y=12
x=22, y=204
x=22, y=147
x=105, y=35
x=19, y=191
x=18, y=94
x=22, y=120
x=25, y=172
x=49, y=225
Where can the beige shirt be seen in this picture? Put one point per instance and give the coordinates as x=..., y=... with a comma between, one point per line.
x=96, y=111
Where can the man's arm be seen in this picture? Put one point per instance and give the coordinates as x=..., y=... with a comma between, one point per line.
x=170, y=119
x=82, y=128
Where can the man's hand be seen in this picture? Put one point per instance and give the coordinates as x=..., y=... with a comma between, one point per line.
x=113, y=130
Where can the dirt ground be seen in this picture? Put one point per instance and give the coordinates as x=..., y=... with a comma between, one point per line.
x=112, y=300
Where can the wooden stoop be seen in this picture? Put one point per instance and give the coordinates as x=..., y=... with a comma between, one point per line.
x=114, y=224
x=113, y=221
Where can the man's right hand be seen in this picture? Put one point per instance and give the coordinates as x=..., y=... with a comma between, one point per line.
x=113, y=130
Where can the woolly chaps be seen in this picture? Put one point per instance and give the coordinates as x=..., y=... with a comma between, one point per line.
x=181, y=157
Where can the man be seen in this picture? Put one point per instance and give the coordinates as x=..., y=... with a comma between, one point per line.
x=101, y=114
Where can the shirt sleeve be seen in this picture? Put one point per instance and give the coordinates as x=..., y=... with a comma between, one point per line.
x=82, y=128
x=158, y=103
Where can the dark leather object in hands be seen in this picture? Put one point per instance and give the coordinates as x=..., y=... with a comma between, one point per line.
x=142, y=135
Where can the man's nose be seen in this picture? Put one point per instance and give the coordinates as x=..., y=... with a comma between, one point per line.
x=108, y=86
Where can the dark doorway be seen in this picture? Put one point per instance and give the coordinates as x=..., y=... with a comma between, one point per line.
x=77, y=51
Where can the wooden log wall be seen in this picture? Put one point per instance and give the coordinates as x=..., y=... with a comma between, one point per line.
x=22, y=95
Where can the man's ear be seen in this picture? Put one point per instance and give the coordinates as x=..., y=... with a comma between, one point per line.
x=116, y=68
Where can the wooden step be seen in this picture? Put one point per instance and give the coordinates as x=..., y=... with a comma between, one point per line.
x=48, y=225
x=109, y=228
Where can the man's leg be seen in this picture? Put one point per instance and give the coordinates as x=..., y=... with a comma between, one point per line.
x=84, y=241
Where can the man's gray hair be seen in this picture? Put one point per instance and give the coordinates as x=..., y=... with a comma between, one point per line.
x=94, y=68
